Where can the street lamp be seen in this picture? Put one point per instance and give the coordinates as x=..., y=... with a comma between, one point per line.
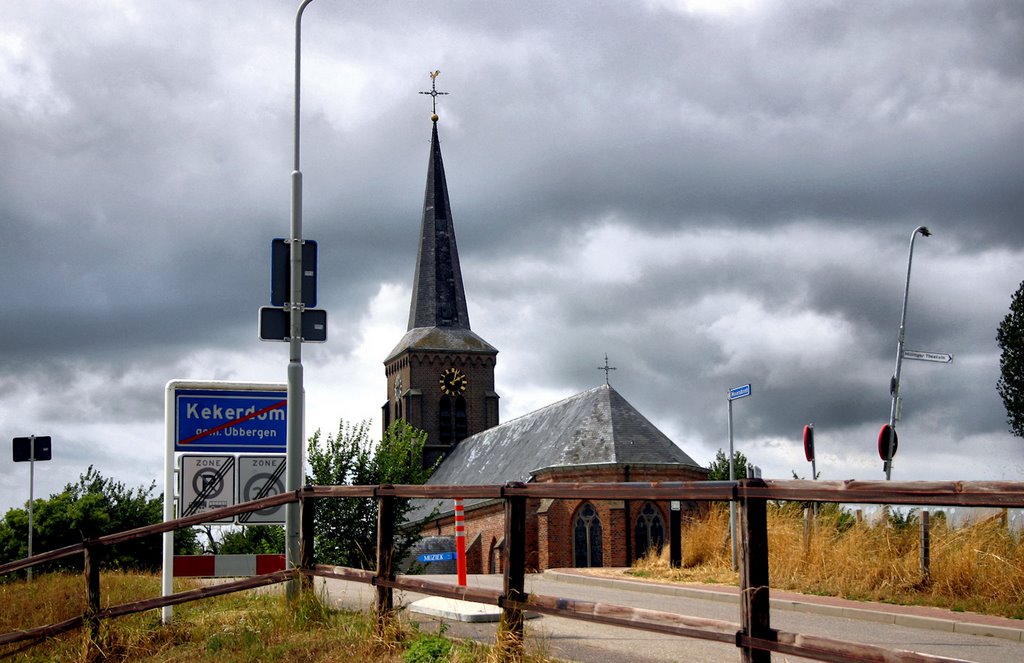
x=296, y=406
x=894, y=385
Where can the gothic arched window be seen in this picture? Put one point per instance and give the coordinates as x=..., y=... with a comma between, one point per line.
x=586, y=537
x=650, y=530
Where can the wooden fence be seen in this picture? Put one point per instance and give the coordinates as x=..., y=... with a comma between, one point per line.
x=754, y=635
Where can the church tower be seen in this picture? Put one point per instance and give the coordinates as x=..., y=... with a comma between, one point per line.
x=440, y=376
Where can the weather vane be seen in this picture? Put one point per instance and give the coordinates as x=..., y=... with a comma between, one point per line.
x=606, y=368
x=433, y=92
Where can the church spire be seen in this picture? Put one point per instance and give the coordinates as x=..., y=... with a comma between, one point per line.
x=438, y=297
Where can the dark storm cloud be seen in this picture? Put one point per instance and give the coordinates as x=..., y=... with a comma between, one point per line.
x=710, y=198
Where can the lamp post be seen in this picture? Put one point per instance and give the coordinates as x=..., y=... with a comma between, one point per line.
x=296, y=407
x=894, y=385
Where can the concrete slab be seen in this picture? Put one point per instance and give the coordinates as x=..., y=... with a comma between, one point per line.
x=456, y=610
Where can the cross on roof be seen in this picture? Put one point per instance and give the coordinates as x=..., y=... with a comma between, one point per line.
x=433, y=90
x=606, y=368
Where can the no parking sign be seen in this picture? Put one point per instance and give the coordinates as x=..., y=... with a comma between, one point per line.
x=207, y=483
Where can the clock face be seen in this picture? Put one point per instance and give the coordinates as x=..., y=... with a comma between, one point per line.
x=453, y=381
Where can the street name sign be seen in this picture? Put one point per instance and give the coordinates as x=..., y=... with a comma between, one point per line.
x=230, y=420
x=436, y=557
x=938, y=357
x=207, y=483
x=739, y=392
x=259, y=477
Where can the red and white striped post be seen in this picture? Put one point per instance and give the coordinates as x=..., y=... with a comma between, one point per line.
x=460, y=541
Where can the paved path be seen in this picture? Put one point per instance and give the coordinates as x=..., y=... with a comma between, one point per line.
x=930, y=630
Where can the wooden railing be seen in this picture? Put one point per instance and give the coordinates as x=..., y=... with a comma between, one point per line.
x=753, y=635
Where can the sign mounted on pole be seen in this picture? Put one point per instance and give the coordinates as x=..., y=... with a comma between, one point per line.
x=739, y=391
x=938, y=357
x=274, y=324
x=259, y=477
x=809, y=442
x=280, y=272
x=232, y=421
x=207, y=483
x=35, y=447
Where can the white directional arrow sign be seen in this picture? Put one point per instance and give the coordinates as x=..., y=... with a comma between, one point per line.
x=938, y=357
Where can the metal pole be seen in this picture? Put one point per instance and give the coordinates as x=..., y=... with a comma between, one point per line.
x=31, y=494
x=296, y=407
x=732, y=505
x=895, y=385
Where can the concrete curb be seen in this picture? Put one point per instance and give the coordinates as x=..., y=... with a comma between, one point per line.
x=879, y=614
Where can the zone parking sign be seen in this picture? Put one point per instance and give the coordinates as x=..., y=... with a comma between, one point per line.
x=258, y=477
x=207, y=483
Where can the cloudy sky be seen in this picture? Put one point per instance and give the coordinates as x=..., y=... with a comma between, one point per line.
x=712, y=193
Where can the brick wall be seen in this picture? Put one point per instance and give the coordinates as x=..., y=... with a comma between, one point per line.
x=549, y=525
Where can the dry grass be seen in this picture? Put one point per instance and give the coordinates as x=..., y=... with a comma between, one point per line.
x=245, y=627
x=978, y=567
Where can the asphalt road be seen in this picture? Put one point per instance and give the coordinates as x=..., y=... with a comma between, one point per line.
x=576, y=640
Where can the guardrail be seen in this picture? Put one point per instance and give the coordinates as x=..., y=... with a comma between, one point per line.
x=753, y=635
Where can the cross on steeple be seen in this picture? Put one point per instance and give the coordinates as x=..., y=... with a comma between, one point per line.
x=433, y=91
x=606, y=368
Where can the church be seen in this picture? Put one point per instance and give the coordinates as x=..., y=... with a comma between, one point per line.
x=440, y=378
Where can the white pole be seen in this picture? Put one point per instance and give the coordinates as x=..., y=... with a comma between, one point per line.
x=296, y=408
x=732, y=504
x=167, y=572
x=899, y=351
x=31, y=493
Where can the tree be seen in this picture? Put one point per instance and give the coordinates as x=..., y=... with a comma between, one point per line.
x=719, y=468
x=1010, y=337
x=95, y=506
x=253, y=540
x=346, y=528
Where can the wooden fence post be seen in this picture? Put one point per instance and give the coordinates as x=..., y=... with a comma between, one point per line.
x=925, y=547
x=510, y=632
x=675, y=534
x=92, y=555
x=385, y=568
x=307, y=518
x=754, y=595
x=807, y=532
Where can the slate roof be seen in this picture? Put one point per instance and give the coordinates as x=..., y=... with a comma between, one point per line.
x=438, y=297
x=593, y=427
x=441, y=339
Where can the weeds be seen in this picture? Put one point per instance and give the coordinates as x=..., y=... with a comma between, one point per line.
x=977, y=567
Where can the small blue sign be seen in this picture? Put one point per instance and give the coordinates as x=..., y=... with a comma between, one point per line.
x=739, y=392
x=436, y=557
x=230, y=421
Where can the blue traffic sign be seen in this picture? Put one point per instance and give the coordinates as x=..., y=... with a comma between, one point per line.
x=230, y=421
x=436, y=557
x=739, y=392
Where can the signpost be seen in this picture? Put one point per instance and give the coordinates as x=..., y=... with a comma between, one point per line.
x=207, y=418
x=735, y=393
x=31, y=449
